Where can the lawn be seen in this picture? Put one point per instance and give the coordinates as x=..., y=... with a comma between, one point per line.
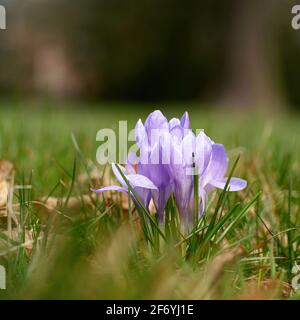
x=65, y=243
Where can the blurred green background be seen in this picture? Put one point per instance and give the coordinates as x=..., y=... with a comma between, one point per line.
x=235, y=53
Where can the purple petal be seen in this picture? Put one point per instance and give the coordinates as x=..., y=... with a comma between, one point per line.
x=178, y=132
x=141, y=136
x=183, y=192
x=203, y=150
x=174, y=123
x=159, y=174
x=188, y=148
x=144, y=196
x=217, y=166
x=118, y=175
x=235, y=184
x=155, y=125
x=161, y=198
x=137, y=180
x=156, y=120
x=172, y=142
x=185, y=121
x=157, y=171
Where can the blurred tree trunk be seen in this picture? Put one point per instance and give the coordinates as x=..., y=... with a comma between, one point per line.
x=251, y=63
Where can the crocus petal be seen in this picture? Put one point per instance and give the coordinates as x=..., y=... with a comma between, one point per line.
x=184, y=194
x=203, y=150
x=161, y=198
x=141, y=136
x=156, y=120
x=188, y=148
x=110, y=188
x=235, y=184
x=183, y=183
x=144, y=196
x=118, y=175
x=157, y=171
x=217, y=166
x=176, y=153
x=137, y=180
x=185, y=121
x=177, y=132
x=134, y=180
x=174, y=123
x=156, y=124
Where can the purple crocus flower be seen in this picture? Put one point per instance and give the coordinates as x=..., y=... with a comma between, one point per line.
x=152, y=153
x=169, y=155
x=139, y=183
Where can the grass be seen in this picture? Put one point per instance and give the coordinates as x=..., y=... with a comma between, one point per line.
x=84, y=247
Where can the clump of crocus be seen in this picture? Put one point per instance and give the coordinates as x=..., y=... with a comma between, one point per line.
x=171, y=158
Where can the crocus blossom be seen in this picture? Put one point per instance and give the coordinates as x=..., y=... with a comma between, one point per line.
x=170, y=156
